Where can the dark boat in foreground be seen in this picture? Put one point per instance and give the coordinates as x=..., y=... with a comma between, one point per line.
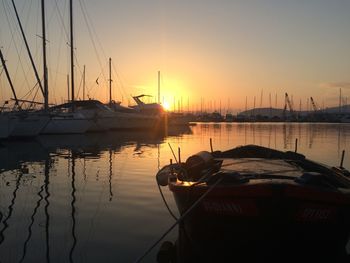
x=253, y=202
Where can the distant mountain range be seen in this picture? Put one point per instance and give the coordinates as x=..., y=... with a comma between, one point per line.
x=271, y=112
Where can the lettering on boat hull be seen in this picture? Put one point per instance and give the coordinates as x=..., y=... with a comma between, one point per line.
x=233, y=208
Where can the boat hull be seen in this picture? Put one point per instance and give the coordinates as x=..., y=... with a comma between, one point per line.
x=29, y=125
x=272, y=218
x=7, y=124
x=134, y=121
x=67, y=124
x=256, y=198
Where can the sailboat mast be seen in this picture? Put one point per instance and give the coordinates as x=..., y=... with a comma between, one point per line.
x=158, y=86
x=46, y=90
x=8, y=77
x=84, y=83
x=28, y=50
x=68, y=86
x=110, y=82
x=71, y=49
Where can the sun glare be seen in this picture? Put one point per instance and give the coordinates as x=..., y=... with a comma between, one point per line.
x=166, y=105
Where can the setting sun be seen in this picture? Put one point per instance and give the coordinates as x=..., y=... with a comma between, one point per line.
x=166, y=105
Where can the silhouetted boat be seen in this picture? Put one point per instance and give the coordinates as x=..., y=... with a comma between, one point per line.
x=7, y=124
x=28, y=123
x=252, y=197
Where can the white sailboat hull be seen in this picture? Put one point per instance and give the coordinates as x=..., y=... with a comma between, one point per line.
x=101, y=123
x=29, y=124
x=134, y=121
x=70, y=123
x=101, y=120
x=7, y=124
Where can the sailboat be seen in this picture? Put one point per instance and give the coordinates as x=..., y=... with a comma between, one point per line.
x=19, y=122
x=7, y=124
x=28, y=124
x=88, y=115
x=62, y=122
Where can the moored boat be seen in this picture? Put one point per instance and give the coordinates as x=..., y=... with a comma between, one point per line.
x=257, y=197
x=67, y=123
x=27, y=123
x=100, y=116
x=7, y=124
x=130, y=118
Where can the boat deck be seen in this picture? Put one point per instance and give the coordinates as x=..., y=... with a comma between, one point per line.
x=260, y=166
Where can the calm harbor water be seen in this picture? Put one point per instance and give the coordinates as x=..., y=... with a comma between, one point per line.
x=94, y=198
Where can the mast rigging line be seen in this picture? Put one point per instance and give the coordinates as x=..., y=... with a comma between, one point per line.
x=61, y=18
x=87, y=19
x=96, y=41
x=194, y=205
x=16, y=48
x=28, y=49
x=13, y=42
x=92, y=85
x=63, y=35
x=121, y=85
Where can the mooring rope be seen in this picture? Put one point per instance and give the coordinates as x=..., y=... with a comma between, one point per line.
x=194, y=205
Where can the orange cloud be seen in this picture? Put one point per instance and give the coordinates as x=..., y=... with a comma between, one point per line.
x=343, y=85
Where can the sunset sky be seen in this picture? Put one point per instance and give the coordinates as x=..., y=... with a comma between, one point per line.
x=206, y=50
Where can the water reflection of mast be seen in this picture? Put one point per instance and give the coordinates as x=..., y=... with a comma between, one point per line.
x=253, y=126
x=285, y=142
x=275, y=136
x=41, y=197
x=10, y=209
x=312, y=134
x=158, y=156
x=338, y=150
x=110, y=175
x=270, y=128
x=73, y=209
x=46, y=183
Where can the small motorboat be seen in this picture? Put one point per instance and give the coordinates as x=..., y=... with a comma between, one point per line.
x=253, y=198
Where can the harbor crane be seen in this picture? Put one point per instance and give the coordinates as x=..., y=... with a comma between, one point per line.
x=288, y=103
x=313, y=104
x=318, y=114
